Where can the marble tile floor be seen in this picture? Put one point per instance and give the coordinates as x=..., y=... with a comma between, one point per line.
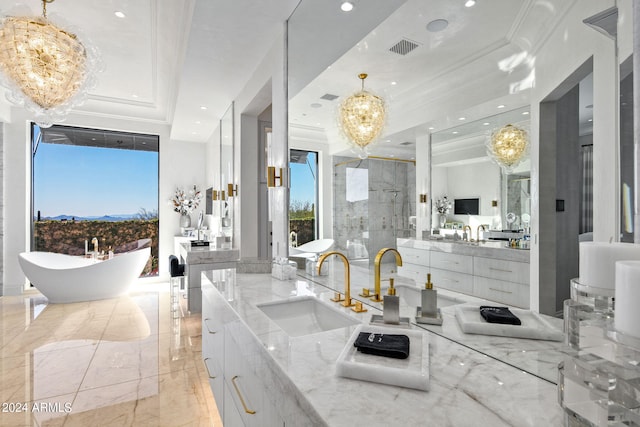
x=119, y=362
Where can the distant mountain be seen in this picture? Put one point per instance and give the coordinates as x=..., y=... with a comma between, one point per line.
x=110, y=218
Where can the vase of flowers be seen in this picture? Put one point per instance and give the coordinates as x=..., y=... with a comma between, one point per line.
x=184, y=202
x=443, y=206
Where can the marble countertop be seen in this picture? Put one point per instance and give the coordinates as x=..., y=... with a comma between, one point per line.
x=537, y=357
x=488, y=249
x=207, y=254
x=466, y=386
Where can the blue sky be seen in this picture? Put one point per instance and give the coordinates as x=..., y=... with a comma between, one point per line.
x=302, y=180
x=93, y=181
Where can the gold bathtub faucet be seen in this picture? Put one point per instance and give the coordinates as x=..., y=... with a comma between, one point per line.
x=377, y=297
x=346, y=302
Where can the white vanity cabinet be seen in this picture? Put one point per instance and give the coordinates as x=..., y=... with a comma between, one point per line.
x=502, y=281
x=415, y=264
x=241, y=397
x=489, y=272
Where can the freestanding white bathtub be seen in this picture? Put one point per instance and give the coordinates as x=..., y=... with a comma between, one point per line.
x=65, y=278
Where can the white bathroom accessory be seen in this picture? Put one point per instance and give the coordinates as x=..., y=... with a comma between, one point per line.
x=598, y=262
x=627, y=315
x=65, y=278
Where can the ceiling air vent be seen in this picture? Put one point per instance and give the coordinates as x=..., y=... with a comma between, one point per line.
x=403, y=47
x=328, y=97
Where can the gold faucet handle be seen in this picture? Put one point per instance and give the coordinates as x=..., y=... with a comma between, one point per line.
x=359, y=308
x=366, y=292
x=376, y=298
x=337, y=297
x=348, y=302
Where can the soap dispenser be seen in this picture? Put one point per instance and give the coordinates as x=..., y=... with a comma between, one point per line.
x=429, y=308
x=391, y=308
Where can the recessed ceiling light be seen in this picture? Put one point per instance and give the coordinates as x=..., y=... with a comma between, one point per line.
x=392, y=155
x=525, y=113
x=387, y=140
x=197, y=122
x=134, y=95
x=119, y=14
x=202, y=107
x=470, y=3
x=590, y=120
x=455, y=132
x=413, y=158
x=437, y=25
x=501, y=106
x=316, y=105
x=462, y=118
x=485, y=124
x=394, y=83
x=431, y=128
x=346, y=6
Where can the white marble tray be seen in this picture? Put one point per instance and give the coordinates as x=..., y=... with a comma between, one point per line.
x=533, y=326
x=412, y=372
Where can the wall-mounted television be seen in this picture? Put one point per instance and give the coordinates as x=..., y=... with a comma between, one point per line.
x=466, y=206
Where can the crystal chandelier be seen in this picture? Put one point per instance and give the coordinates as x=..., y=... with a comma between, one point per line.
x=362, y=117
x=508, y=146
x=47, y=68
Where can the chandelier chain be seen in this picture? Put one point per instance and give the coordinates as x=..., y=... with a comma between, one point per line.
x=44, y=7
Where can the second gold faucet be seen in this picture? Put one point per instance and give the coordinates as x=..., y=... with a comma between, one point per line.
x=376, y=267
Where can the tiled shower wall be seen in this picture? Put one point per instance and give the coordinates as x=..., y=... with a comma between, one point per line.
x=384, y=216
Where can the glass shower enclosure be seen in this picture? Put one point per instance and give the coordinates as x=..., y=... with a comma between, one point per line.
x=374, y=204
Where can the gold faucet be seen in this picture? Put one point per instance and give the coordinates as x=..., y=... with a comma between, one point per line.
x=478, y=232
x=376, y=268
x=346, y=301
x=464, y=230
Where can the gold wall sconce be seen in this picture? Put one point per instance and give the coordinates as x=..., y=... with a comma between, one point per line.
x=272, y=177
x=423, y=198
x=219, y=195
x=232, y=190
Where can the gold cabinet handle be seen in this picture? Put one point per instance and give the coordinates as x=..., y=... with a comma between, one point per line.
x=207, y=368
x=500, y=269
x=500, y=290
x=244, y=405
x=207, y=326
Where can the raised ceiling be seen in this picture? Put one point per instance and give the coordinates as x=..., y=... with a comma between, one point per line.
x=481, y=64
x=166, y=59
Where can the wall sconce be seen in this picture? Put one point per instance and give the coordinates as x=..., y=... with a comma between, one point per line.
x=232, y=190
x=423, y=198
x=494, y=203
x=272, y=177
x=219, y=195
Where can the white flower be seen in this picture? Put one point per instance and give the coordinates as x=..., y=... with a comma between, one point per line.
x=185, y=203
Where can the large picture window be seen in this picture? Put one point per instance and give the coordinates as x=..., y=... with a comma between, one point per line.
x=89, y=183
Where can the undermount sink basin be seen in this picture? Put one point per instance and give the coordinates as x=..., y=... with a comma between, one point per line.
x=306, y=315
x=412, y=296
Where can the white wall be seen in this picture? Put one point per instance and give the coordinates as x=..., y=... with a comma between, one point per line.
x=475, y=180
x=181, y=164
x=569, y=46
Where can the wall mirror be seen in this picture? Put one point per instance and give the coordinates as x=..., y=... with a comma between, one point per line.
x=227, y=183
x=438, y=66
x=461, y=169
